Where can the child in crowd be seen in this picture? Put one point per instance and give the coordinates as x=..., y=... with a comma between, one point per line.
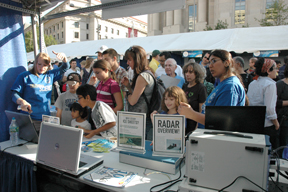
x=172, y=97
x=66, y=99
x=79, y=115
x=102, y=115
x=108, y=89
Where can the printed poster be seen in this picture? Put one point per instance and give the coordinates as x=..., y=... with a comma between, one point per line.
x=131, y=131
x=51, y=119
x=168, y=137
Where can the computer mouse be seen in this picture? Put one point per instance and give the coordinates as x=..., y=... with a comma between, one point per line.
x=85, y=148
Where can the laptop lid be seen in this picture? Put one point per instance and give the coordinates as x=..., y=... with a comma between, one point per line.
x=248, y=119
x=60, y=147
x=27, y=129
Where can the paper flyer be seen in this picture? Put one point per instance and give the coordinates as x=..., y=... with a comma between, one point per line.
x=168, y=134
x=111, y=176
x=50, y=119
x=131, y=130
x=169, y=81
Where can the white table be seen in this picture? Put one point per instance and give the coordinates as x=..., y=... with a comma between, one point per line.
x=111, y=159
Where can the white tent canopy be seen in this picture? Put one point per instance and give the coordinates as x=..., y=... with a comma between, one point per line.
x=239, y=40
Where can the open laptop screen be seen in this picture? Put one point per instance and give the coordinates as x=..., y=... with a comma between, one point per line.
x=248, y=119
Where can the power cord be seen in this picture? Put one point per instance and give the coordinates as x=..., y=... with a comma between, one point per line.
x=172, y=181
x=275, y=184
x=19, y=145
x=243, y=178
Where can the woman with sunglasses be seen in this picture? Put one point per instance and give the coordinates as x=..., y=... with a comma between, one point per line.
x=142, y=82
x=229, y=92
x=263, y=92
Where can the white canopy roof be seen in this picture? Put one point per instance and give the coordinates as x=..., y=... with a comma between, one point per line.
x=239, y=40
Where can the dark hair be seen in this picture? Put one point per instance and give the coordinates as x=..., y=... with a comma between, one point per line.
x=224, y=56
x=277, y=61
x=111, y=52
x=208, y=52
x=286, y=60
x=166, y=54
x=103, y=64
x=87, y=89
x=72, y=61
x=286, y=71
x=175, y=92
x=240, y=60
x=138, y=54
x=82, y=111
x=258, y=65
x=233, y=54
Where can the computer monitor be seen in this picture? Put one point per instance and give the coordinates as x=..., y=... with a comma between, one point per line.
x=248, y=119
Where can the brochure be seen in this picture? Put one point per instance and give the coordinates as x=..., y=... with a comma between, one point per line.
x=131, y=131
x=168, y=137
x=111, y=176
x=50, y=119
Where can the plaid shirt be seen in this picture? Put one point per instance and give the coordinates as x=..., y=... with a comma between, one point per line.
x=120, y=73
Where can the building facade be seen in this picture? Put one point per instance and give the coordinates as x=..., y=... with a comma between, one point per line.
x=90, y=26
x=199, y=14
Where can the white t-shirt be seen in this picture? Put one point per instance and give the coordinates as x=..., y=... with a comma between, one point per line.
x=85, y=124
x=102, y=114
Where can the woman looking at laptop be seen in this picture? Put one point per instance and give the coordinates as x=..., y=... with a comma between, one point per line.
x=229, y=92
x=32, y=89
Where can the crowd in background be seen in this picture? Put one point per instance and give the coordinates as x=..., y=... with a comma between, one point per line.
x=88, y=97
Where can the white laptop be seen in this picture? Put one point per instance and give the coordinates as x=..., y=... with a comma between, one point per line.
x=59, y=147
x=27, y=130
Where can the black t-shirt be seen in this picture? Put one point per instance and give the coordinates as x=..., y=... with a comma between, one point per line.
x=195, y=95
x=247, y=79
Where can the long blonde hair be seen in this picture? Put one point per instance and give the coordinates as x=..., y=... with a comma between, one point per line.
x=175, y=92
x=46, y=59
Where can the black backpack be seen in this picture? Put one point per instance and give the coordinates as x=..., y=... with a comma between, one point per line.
x=157, y=94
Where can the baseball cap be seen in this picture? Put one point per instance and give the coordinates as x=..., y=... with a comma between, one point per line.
x=73, y=79
x=102, y=49
x=155, y=53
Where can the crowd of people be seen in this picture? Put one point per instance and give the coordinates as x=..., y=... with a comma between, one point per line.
x=101, y=87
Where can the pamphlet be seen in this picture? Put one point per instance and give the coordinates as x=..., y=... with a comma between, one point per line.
x=111, y=176
x=131, y=131
x=50, y=119
x=169, y=81
x=168, y=137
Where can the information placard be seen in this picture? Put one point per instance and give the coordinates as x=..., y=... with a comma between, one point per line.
x=51, y=119
x=131, y=131
x=168, y=137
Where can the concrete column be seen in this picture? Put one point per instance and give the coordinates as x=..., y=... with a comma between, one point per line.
x=202, y=11
x=150, y=22
x=178, y=17
x=92, y=27
x=169, y=18
x=156, y=22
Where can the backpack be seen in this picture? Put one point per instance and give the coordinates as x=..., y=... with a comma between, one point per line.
x=157, y=94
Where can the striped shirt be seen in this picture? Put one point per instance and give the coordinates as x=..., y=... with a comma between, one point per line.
x=106, y=90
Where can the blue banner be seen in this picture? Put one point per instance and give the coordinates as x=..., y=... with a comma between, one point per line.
x=266, y=54
x=192, y=54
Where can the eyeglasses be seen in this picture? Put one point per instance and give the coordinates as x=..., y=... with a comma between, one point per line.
x=206, y=57
x=131, y=49
x=213, y=61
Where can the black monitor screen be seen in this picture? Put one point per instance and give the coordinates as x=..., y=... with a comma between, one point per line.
x=248, y=119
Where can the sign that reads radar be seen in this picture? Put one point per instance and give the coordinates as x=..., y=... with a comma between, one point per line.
x=168, y=138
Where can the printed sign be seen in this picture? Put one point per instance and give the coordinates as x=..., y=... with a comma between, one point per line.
x=192, y=54
x=168, y=137
x=266, y=54
x=50, y=119
x=131, y=131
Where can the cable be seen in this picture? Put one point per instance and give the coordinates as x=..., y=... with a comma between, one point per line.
x=60, y=177
x=172, y=181
x=275, y=184
x=13, y=146
x=243, y=178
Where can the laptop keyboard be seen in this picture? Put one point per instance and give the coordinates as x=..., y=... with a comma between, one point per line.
x=81, y=164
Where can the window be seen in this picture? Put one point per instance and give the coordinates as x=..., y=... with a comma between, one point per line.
x=117, y=32
x=54, y=28
x=58, y=26
x=76, y=35
x=239, y=12
x=99, y=36
x=112, y=30
x=50, y=30
x=87, y=26
x=62, y=34
x=269, y=9
x=192, y=19
x=99, y=27
x=54, y=36
x=106, y=29
x=106, y=37
x=126, y=34
x=57, y=35
x=87, y=36
x=76, y=24
x=62, y=24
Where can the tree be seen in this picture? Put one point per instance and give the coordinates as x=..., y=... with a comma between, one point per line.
x=220, y=25
x=276, y=14
x=49, y=40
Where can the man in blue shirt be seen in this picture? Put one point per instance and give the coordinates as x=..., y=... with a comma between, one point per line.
x=170, y=67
